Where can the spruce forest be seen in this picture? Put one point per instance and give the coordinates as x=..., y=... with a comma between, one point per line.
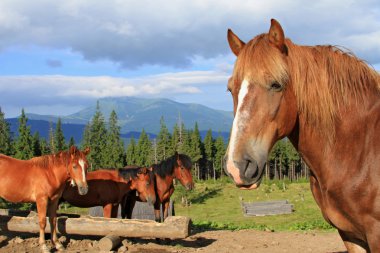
x=109, y=150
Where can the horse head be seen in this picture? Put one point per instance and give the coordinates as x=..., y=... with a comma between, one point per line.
x=182, y=170
x=264, y=104
x=144, y=184
x=77, y=168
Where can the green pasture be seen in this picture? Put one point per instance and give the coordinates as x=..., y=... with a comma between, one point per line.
x=216, y=205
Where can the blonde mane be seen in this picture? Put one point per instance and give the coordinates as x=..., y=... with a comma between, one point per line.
x=45, y=161
x=324, y=78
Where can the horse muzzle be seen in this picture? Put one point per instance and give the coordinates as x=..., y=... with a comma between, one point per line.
x=247, y=174
x=82, y=190
x=151, y=200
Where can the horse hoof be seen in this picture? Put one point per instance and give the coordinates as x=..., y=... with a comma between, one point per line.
x=59, y=246
x=44, y=249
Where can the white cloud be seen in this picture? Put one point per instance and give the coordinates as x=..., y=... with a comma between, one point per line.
x=40, y=91
x=135, y=33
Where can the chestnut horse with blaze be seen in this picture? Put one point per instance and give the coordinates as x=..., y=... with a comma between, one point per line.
x=327, y=102
x=177, y=166
x=107, y=188
x=42, y=180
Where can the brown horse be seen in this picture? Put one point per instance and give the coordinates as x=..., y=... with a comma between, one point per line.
x=327, y=102
x=108, y=188
x=177, y=166
x=42, y=180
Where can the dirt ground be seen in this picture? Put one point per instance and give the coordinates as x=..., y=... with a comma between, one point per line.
x=209, y=241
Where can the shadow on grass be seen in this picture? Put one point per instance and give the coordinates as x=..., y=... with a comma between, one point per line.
x=207, y=194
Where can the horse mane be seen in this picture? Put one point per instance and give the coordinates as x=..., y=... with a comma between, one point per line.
x=325, y=78
x=128, y=173
x=45, y=161
x=166, y=167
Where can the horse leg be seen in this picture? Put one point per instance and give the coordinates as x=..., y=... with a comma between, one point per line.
x=373, y=239
x=53, y=224
x=107, y=210
x=353, y=245
x=165, y=208
x=157, y=212
x=114, y=209
x=127, y=207
x=42, y=203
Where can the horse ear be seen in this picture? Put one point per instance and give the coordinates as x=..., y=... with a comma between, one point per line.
x=73, y=149
x=277, y=36
x=150, y=169
x=235, y=43
x=86, y=151
x=142, y=171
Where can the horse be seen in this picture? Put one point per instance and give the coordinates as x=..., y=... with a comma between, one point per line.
x=108, y=188
x=42, y=180
x=177, y=166
x=326, y=101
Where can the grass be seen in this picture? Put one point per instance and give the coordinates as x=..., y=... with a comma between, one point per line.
x=216, y=205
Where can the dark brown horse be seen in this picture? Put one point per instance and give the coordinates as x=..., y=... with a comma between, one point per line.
x=327, y=102
x=42, y=180
x=108, y=188
x=177, y=166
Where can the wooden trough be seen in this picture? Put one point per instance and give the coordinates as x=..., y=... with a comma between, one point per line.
x=174, y=227
x=142, y=210
x=267, y=208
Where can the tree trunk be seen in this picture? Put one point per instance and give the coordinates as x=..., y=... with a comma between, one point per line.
x=174, y=227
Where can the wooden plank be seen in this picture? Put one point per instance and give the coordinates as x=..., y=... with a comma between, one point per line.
x=265, y=203
x=26, y=213
x=173, y=227
x=142, y=210
x=267, y=208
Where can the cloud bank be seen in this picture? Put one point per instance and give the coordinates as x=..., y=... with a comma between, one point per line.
x=138, y=33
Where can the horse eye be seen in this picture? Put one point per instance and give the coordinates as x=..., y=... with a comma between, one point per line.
x=74, y=167
x=276, y=86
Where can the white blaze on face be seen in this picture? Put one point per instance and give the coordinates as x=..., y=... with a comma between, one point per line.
x=237, y=126
x=81, y=163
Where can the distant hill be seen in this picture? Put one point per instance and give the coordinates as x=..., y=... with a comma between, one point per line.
x=135, y=114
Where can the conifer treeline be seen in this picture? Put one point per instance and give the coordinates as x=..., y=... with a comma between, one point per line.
x=108, y=150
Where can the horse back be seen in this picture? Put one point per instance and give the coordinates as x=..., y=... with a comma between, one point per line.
x=24, y=181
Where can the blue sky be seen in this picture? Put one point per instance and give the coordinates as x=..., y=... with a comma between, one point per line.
x=58, y=57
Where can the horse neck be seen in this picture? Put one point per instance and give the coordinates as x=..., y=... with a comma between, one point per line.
x=352, y=147
x=59, y=171
x=164, y=184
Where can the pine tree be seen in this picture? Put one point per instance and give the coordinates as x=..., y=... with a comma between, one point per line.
x=164, y=147
x=5, y=136
x=60, y=142
x=131, y=153
x=97, y=140
x=86, y=137
x=23, y=144
x=144, y=150
x=51, y=141
x=115, y=146
x=44, y=146
x=196, y=144
x=175, y=138
x=220, y=151
x=71, y=142
x=36, y=144
x=209, y=152
x=209, y=146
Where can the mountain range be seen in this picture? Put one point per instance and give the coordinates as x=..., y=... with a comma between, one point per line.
x=135, y=114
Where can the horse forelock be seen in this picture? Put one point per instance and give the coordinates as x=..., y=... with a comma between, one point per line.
x=128, y=173
x=186, y=161
x=324, y=79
